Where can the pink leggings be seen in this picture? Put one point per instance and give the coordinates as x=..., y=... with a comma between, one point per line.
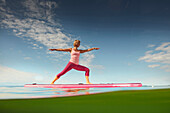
x=70, y=66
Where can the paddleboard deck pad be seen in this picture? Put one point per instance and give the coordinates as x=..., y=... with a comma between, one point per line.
x=110, y=85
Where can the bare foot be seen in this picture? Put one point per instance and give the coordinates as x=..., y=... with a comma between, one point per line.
x=88, y=83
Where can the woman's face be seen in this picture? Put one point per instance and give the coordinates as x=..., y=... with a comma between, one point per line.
x=76, y=44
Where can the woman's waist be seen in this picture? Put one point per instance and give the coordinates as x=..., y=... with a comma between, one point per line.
x=74, y=59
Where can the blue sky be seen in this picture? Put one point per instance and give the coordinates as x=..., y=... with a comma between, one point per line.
x=133, y=37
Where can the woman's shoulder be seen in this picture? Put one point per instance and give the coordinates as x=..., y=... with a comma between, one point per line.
x=68, y=49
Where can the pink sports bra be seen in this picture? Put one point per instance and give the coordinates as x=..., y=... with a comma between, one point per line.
x=75, y=56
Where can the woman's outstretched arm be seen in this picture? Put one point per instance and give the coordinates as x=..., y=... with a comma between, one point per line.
x=87, y=50
x=66, y=50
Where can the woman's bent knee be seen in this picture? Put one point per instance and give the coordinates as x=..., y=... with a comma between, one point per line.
x=87, y=72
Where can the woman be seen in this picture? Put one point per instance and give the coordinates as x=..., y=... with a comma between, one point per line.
x=74, y=61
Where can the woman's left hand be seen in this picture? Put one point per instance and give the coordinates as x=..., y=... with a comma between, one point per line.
x=96, y=48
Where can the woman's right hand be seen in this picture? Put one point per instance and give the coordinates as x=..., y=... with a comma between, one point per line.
x=51, y=49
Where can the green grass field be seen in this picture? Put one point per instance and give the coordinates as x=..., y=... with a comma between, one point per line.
x=141, y=101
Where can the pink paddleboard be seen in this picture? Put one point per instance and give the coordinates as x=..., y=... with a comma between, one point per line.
x=111, y=85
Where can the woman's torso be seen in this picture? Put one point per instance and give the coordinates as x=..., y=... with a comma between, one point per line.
x=75, y=56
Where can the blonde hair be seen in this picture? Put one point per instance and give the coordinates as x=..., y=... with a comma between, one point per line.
x=76, y=43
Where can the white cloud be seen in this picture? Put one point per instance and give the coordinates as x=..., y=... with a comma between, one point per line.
x=40, y=9
x=97, y=66
x=39, y=26
x=154, y=65
x=160, y=54
x=87, y=58
x=151, y=45
x=148, y=52
x=10, y=75
x=166, y=68
x=27, y=58
x=164, y=47
x=87, y=61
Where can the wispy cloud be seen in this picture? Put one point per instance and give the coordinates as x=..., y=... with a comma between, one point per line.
x=154, y=65
x=87, y=61
x=10, y=75
x=87, y=58
x=160, y=54
x=151, y=45
x=166, y=68
x=35, y=21
x=27, y=58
